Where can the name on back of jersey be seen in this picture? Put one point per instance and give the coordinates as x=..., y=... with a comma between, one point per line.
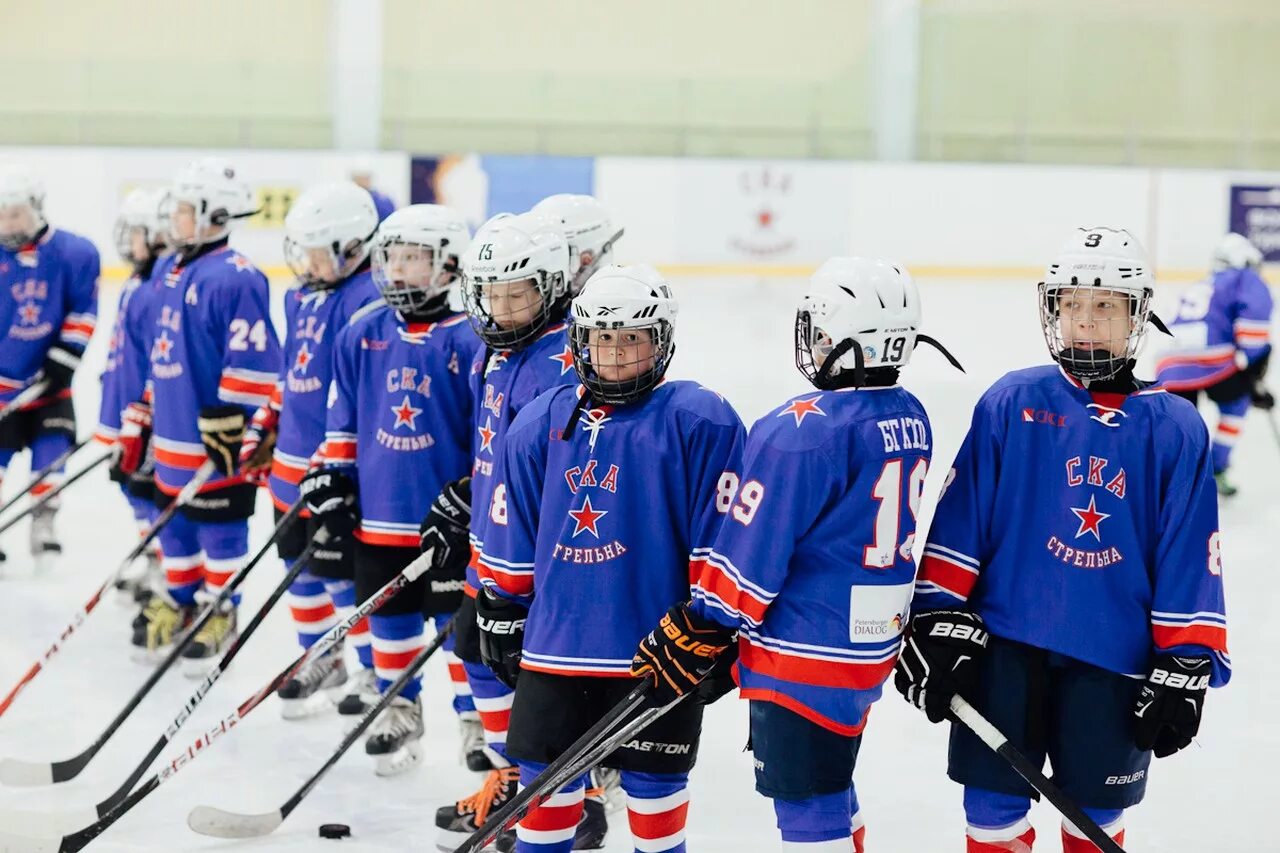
x=904, y=434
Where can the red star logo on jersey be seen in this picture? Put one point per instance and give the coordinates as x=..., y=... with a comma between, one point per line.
x=303, y=359
x=802, y=409
x=161, y=347
x=240, y=262
x=30, y=314
x=486, y=435
x=406, y=414
x=586, y=518
x=565, y=358
x=1090, y=519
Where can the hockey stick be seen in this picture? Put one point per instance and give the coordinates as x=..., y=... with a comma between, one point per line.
x=43, y=474
x=14, y=772
x=999, y=744
x=570, y=763
x=30, y=394
x=188, y=492
x=208, y=820
x=116, y=806
x=48, y=496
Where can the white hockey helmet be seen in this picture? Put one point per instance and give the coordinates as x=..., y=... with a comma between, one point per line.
x=218, y=195
x=1097, y=259
x=1235, y=252
x=515, y=278
x=589, y=230
x=618, y=300
x=21, y=193
x=416, y=255
x=140, y=211
x=337, y=218
x=857, y=314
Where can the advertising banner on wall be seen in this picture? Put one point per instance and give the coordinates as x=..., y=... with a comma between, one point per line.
x=481, y=185
x=1255, y=213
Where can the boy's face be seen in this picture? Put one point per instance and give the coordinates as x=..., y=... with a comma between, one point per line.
x=1095, y=320
x=619, y=355
x=514, y=304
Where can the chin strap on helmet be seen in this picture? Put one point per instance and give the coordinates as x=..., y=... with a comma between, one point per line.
x=933, y=342
x=584, y=402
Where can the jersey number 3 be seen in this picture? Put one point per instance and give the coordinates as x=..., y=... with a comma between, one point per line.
x=882, y=553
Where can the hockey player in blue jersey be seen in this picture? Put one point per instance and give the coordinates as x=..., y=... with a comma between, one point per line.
x=518, y=279
x=328, y=236
x=398, y=428
x=362, y=176
x=48, y=310
x=1071, y=584
x=1222, y=344
x=140, y=240
x=605, y=506
x=214, y=360
x=812, y=567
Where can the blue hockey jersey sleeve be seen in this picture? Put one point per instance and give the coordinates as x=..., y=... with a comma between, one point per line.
x=959, y=541
x=1252, y=323
x=1188, y=609
x=339, y=449
x=81, y=297
x=513, y=511
x=241, y=315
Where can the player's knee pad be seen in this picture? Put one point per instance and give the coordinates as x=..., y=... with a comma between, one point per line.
x=997, y=821
x=817, y=820
x=657, y=809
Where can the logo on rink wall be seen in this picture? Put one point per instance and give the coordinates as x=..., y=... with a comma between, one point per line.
x=1255, y=213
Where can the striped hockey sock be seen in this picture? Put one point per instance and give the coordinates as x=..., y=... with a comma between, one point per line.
x=396, y=642
x=343, y=596
x=657, y=809
x=1111, y=821
x=493, y=701
x=312, y=609
x=550, y=827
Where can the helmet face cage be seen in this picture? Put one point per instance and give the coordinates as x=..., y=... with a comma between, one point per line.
x=15, y=240
x=646, y=371
x=510, y=314
x=1111, y=335
x=409, y=274
x=124, y=232
x=818, y=355
x=342, y=260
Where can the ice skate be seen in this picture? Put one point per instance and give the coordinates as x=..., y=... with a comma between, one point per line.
x=218, y=633
x=1225, y=487
x=472, y=734
x=158, y=625
x=456, y=822
x=395, y=740
x=45, y=547
x=362, y=693
x=311, y=689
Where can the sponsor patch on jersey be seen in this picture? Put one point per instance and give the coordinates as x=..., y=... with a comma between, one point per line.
x=1043, y=416
x=878, y=613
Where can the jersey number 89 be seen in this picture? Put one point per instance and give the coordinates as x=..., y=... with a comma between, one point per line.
x=748, y=500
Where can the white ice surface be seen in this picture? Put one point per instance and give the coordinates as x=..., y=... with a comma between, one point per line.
x=734, y=336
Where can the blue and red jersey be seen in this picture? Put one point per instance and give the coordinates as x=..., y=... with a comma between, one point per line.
x=313, y=319
x=124, y=378
x=1083, y=523
x=504, y=382
x=48, y=295
x=400, y=416
x=813, y=561
x=212, y=344
x=603, y=530
x=1221, y=327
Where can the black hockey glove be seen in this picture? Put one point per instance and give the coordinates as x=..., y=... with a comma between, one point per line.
x=1260, y=397
x=1171, y=702
x=938, y=660
x=501, y=624
x=59, y=368
x=222, y=431
x=331, y=500
x=444, y=531
x=679, y=653
x=719, y=681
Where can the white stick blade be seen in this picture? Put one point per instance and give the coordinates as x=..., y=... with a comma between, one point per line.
x=25, y=774
x=19, y=844
x=48, y=823
x=207, y=820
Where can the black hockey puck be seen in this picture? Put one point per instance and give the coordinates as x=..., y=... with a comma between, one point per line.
x=335, y=830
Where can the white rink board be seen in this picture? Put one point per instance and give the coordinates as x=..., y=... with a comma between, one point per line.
x=735, y=336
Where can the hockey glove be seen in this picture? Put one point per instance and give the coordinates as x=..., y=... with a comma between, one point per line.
x=720, y=681
x=135, y=435
x=259, y=442
x=938, y=660
x=679, y=653
x=331, y=500
x=1260, y=397
x=60, y=363
x=444, y=531
x=1171, y=702
x=501, y=624
x=222, y=431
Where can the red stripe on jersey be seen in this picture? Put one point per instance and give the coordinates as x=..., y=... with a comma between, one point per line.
x=177, y=459
x=565, y=670
x=83, y=327
x=102, y=438
x=398, y=540
x=822, y=673
x=291, y=474
x=511, y=584
x=697, y=565
x=339, y=450
x=956, y=578
x=1210, y=636
x=245, y=386
x=660, y=825
x=760, y=694
x=284, y=507
x=716, y=581
x=277, y=399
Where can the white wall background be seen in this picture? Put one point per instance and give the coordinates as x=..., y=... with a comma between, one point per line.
x=700, y=216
